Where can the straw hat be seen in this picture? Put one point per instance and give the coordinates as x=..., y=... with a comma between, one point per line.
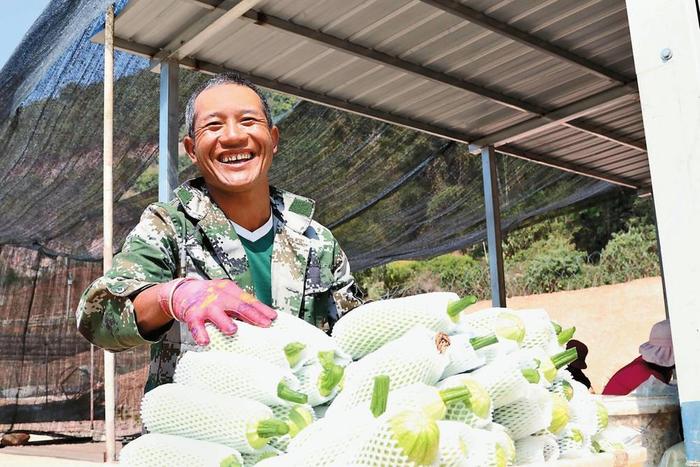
x=659, y=349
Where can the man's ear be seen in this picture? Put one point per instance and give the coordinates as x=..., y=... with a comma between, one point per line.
x=275, y=133
x=188, y=143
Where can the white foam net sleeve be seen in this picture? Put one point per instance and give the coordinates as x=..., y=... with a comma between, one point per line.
x=326, y=440
x=559, y=383
x=539, y=331
x=281, y=412
x=453, y=449
x=378, y=446
x=459, y=411
x=412, y=358
x=234, y=375
x=527, y=415
x=256, y=457
x=418, y=396
x=503, y=439
x=534, y=449
x=314, y=338
x=573, y=443
x=503, y=380
x=502, y=348
x=372, y=325
x=265, y=343
x=308, y=377
x=480, y=323
x=583, y=410
x=161, y=450
x=462, y=356
x=484, y=448
x=179, y=410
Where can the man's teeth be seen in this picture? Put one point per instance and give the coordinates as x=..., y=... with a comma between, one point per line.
x=237, y=157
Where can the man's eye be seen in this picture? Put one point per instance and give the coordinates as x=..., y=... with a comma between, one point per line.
x=213, y=125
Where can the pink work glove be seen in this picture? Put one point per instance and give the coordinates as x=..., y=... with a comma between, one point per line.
x=195, y=302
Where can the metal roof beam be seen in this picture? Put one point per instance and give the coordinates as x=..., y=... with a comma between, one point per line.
x=192, y=39
x=564, y=114
x=460, y=137
x=567, y=166
x=436, y=76
x=503, y=29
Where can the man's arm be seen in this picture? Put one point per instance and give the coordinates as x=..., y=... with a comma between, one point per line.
x=107, y=314
x=149, y=315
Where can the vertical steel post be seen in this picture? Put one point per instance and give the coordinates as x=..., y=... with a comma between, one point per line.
x=667, y=64
x=110, y=387
x=493, y=226
x=168, y=131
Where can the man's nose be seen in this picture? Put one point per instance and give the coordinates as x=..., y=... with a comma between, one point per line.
x=233, y=135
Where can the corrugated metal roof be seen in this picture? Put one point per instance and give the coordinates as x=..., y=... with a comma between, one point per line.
x=464, y=70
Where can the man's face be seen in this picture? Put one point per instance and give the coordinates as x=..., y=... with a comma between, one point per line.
x=233, y=145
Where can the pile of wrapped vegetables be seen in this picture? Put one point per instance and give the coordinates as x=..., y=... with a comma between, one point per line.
x=402, y=382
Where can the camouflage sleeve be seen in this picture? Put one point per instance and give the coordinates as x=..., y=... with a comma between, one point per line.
x=344, y=290
x=149, y=256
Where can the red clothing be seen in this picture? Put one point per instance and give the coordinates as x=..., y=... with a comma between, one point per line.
x=629, y=377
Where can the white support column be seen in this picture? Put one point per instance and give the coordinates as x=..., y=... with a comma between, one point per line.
x=109, y=364
x=668, y=72
x=168, y=131
x=492, y=206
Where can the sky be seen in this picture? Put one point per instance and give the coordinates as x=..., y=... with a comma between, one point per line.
x=16, y=17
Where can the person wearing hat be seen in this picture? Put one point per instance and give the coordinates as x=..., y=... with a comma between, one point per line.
x=655, y=359
x=576, y=367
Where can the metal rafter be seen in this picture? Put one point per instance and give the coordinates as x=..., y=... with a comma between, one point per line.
x=583, y=107
x=196, y=35
x=460, y=137
x=503, y=29
x=541, y=113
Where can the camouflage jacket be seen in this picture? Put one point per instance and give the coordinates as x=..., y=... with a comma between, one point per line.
x=190, y=236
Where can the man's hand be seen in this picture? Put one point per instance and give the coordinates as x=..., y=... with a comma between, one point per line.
x=195, y=302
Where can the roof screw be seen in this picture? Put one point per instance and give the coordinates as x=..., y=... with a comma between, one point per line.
x=666, y=55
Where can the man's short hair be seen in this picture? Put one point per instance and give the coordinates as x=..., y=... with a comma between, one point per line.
x=218, y=80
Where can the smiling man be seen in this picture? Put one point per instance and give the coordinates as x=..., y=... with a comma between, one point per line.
x=228, y=247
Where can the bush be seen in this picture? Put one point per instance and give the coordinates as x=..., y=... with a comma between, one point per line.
x=552, y=271
x=630, y=255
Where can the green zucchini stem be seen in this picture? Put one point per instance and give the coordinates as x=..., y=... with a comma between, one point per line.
x=455, y=394
x=566, y=335
x=483, y=341
x=272, y=427
x=380, y=395
x=294, y=351
x=458, y=306
x=531, y=375
x=286, y=393
x=562, y=359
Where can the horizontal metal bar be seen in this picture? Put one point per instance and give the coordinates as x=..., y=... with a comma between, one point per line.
x=566, y=166
x=586, y=106
x=503, y=29
x=196, y=36
x=376, y=114
x=263, y=19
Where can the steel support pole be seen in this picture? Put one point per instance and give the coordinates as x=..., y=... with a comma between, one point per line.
x=667, y=63
x=168, y=131
x=493, y=226
x=109, y=387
